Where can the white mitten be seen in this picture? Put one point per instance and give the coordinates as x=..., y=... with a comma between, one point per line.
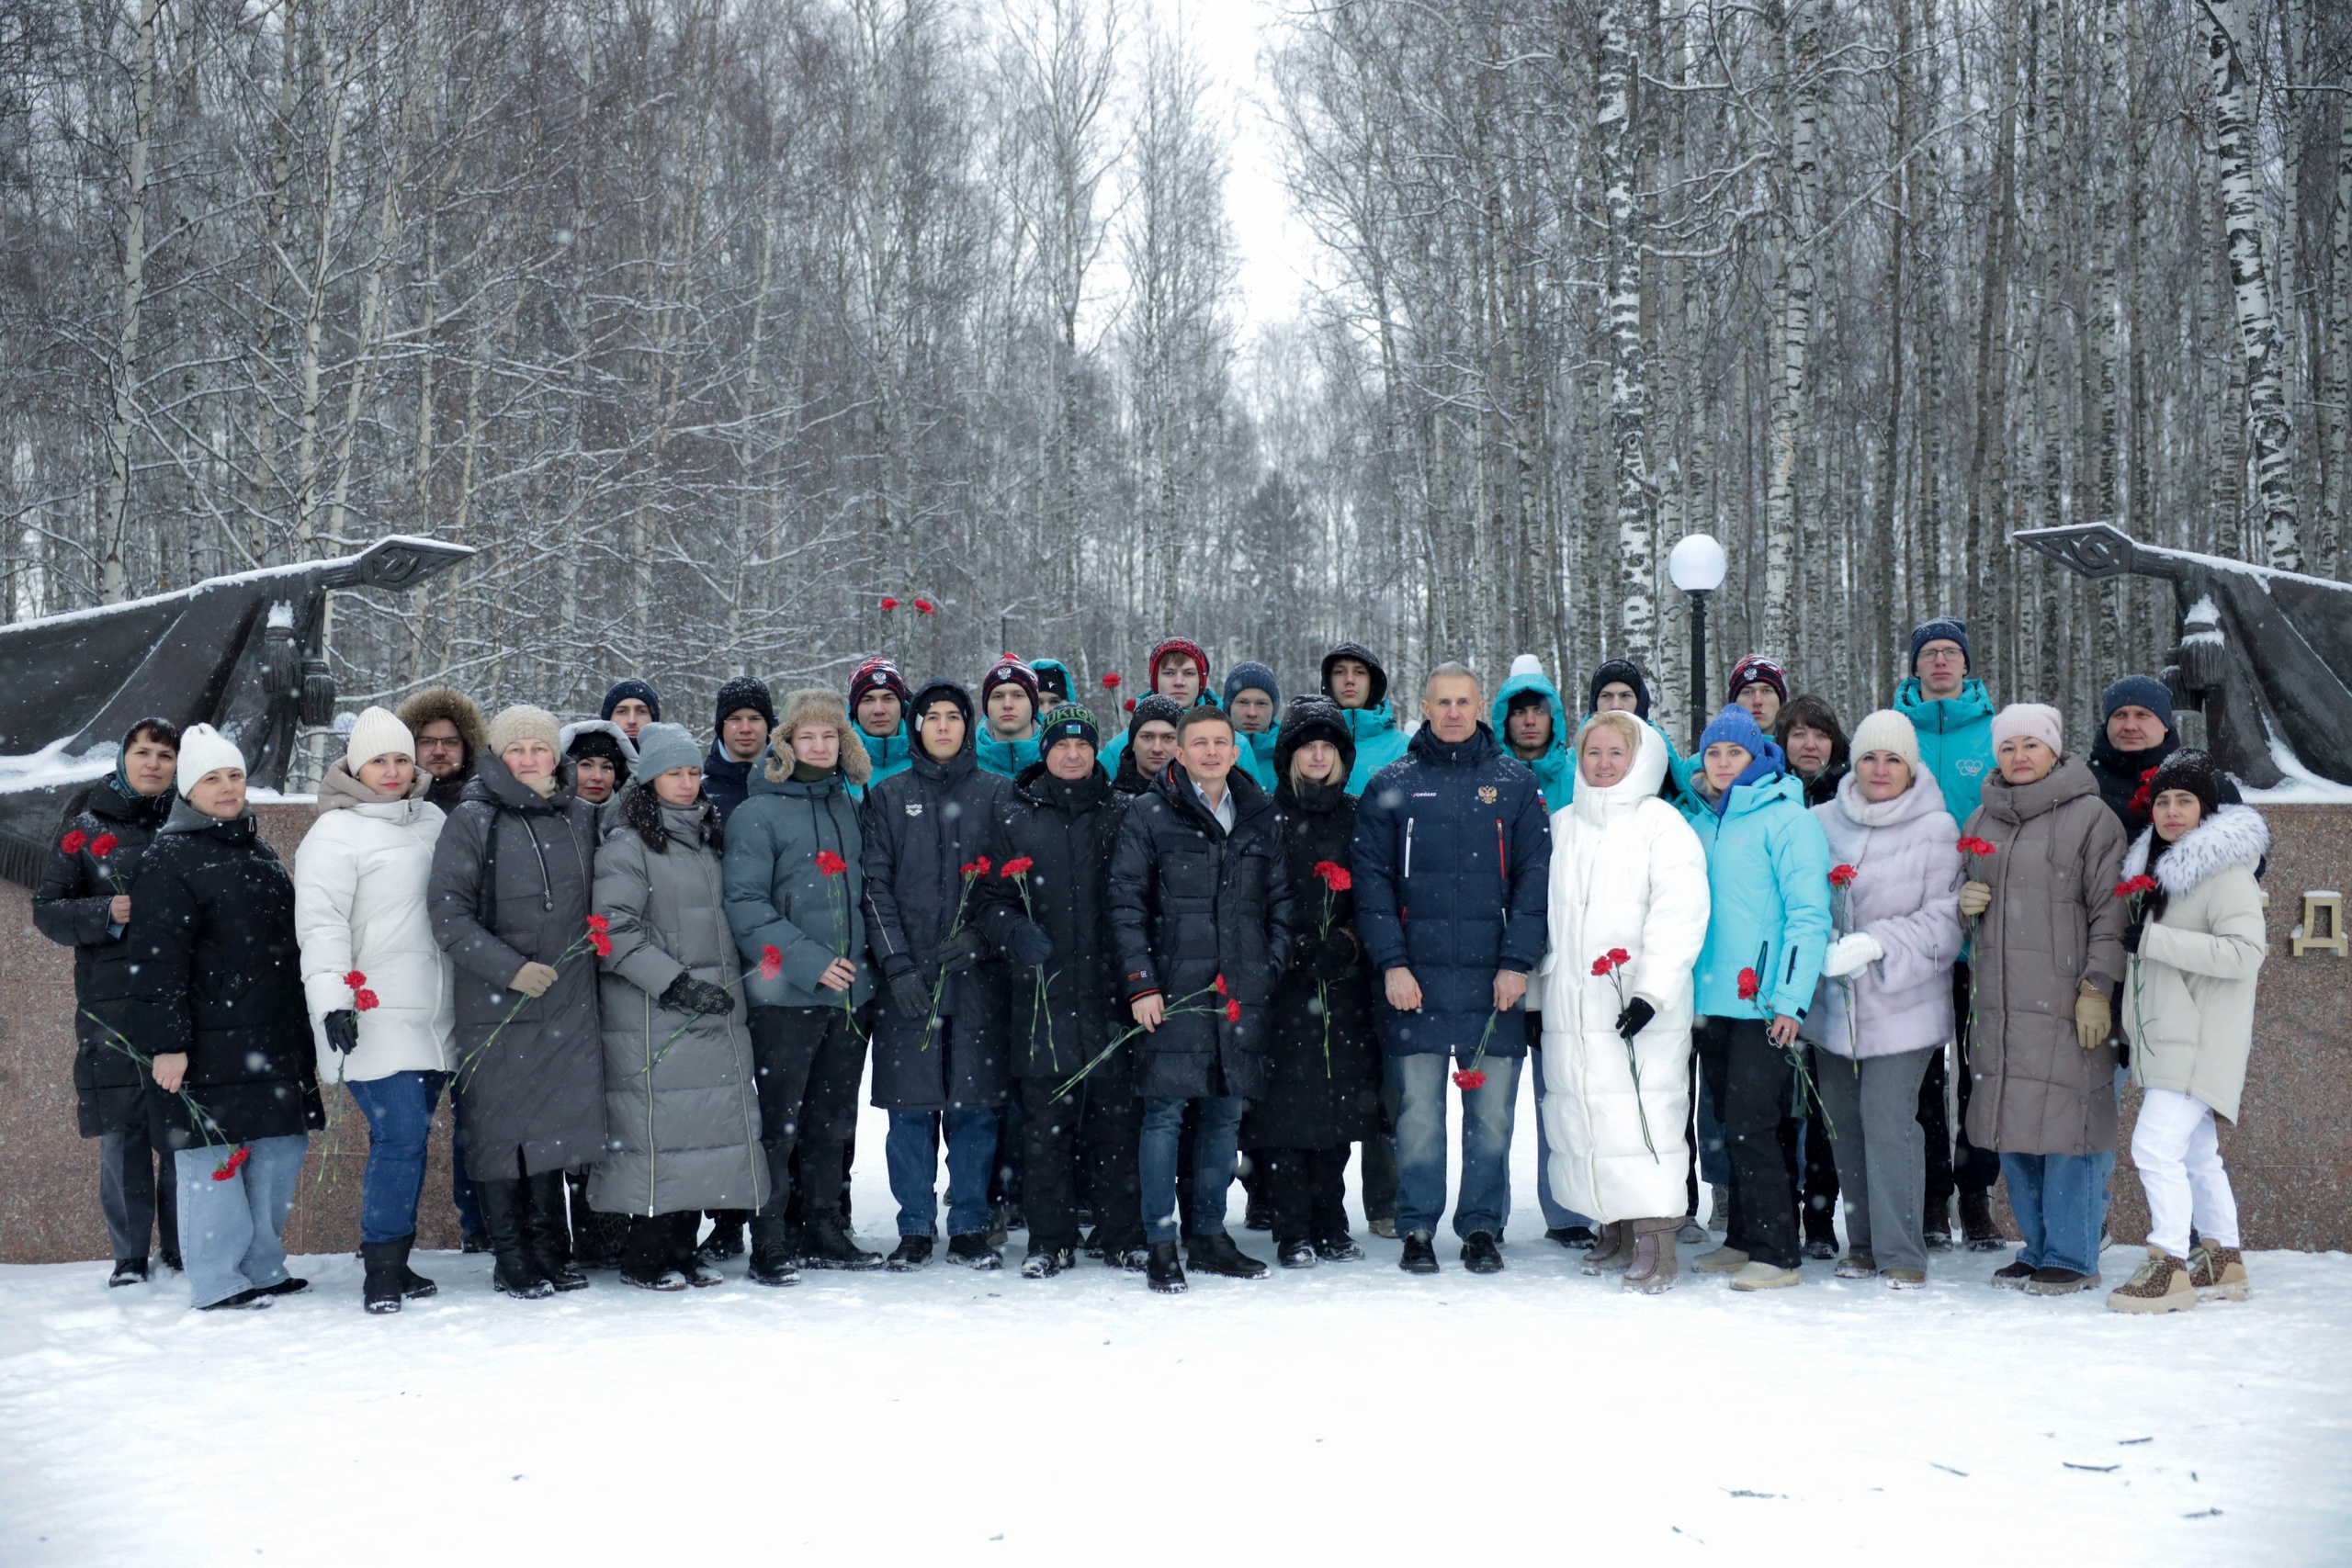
x=1853, y=955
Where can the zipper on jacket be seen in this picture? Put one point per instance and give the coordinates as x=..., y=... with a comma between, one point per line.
x=546, y=879
x=1503, y=863
x=650, y=1176
x=1408, y=846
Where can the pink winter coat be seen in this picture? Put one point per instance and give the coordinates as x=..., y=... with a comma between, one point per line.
x=1906, y=894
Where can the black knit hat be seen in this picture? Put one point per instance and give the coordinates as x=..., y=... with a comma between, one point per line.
x=1010, y=672
x=2194, y=771
x=1311, y=719
x=1612, y=671
x=743, y=691
x=1150, y=707
x=600, y=743
x=934, y=691
x=623, y=690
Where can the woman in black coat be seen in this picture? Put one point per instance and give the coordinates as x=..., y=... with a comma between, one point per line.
x=1052, y=923
x=938, y=1023
x=1323, y=1062
x=84, y=903
x=513, y=875
x=214, y=1005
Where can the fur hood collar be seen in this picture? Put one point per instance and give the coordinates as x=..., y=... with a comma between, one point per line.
x=2236, y=836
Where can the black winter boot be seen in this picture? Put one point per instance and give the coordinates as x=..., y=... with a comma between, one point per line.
x=380, y=1290
x=1419, y=1256
x=1977, y=1222
x=1298, y=1252
x=974, y=1252
x=128, y=1271
x=726, y=1237
x=827, y=1244
x=414, y=1285
x=1217, y=1254
x=1481, y=1253
x=1044, y=1262
x=515, y=1273
x=547, y=1231
x=912, y=1252
x=1166, y=1274
x=1338, y=1248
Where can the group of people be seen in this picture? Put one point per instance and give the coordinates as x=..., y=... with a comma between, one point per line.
x=1245, y=937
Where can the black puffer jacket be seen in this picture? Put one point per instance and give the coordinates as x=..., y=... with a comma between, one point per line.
x=72, y=907
x=919, y=828
x=1323, y=1068
x=1066, y=830
x=216, y=972
x=1190, y=903
x=513, y=877
x=1822, y=787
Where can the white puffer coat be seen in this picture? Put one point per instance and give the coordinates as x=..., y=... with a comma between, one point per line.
x=2189, y=999
x=1905, y=893
x=359, y=904
x=1627, y=872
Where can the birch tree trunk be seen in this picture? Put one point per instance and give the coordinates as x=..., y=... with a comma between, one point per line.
x=1637, y=517
x=116, y=579
x=1801, y=57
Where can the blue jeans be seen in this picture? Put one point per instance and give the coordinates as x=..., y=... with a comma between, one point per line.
x=1214, y=1139
x=1487, y=1115
x=398, y=1108
x=228, y=1229
x=2060, y=1204
x=911, y=1153
x=1556, y=1214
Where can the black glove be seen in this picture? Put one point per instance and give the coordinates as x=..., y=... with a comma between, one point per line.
x=1029, y=945
x=2132, y=935
x=687, y=994
x=1334, y=958
x=1634, y=1019
x=343, y=1029
x=910, y=997
x=960, y=952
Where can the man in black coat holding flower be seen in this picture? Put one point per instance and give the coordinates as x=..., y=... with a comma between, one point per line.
x=1203, y=917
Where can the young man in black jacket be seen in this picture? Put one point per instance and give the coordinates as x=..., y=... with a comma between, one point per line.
x=1202, y=915
x=84, y=902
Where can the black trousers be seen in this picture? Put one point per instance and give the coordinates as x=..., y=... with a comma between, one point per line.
x=806, y=1062
x=1308, y=1189
x=1820, y=1163
x=1098, y=1124
x=138, y=1189
x=1750, y=1078
x=1111, y=1139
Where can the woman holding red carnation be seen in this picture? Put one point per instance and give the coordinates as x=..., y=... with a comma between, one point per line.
x=1627, y=914
x=1884, y=1008
x=378, y=986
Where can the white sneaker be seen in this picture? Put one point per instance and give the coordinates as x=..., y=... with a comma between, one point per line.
x=1758, y=1275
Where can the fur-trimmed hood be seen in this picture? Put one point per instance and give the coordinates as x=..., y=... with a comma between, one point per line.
x=2236, y=835
x=816, y=705
x=435, y=702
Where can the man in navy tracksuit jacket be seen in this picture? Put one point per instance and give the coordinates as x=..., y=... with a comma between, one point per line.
x=1453, y=860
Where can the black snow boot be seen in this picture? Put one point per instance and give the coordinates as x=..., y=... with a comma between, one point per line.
x=1166, y=1274
x=974, y=1252
x=414, y=1285
x=1571, y=1237
x=597, y=1239
x=1044, y=1262
x=1419, y=1256
x=912, y=1252
x=769, y=1268
x=380, y=1290
x=475, y=1241
x=726, y=1237
x=1295, y=1253
x=128, y=1271
x=1977, y=1222
x=547, y=1231
x=1338, y=1248
x=515, y=1273
x=1217, y=1254
x=827, y=1244
x=1481, y=1253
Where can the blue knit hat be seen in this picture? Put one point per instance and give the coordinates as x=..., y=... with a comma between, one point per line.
x=2137, y=692
x=623, y=690
x=1248, y=676
x=1736, y=724
x=1943, y=628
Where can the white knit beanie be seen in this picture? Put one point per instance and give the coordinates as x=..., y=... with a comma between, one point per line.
x=2038, y=720
x=377, y=732
x=1886, y=730
x=524, y=722
x=203, y=748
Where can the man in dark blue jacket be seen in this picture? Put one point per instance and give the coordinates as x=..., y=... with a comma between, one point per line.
x=746, y=714
x=1453, y=856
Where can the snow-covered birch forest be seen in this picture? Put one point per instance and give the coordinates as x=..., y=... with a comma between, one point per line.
x=714, y=324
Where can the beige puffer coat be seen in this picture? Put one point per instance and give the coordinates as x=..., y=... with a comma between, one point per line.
x=2054, y=923
x=2188, y=1004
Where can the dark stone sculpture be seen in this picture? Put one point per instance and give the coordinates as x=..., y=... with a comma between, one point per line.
x=243, y=653
x=2264, y=655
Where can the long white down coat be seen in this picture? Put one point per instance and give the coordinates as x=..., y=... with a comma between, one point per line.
x=359, y=882
x=1626, y=872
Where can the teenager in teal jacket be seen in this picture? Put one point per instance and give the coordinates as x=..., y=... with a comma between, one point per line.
x=1257, y=747
x=1363, y=698
x=892, y=751
x=1953, y=713
x=1553, y=768
x=1768, y=878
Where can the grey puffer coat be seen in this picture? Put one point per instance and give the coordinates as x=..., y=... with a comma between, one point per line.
x=2054, y=923
x=681, y=1120
x=513, y=876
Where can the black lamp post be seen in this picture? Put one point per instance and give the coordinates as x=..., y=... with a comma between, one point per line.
x=1696, y=566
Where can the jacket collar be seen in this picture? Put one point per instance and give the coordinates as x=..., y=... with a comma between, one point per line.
x=2236, y=835
x=1944, y=715
x=1479, y=748
x=1175, y=786
x=186, y=818
x=1600, y=805
x=1068, y=796
x=116, y=802
x=493, y=782
x=2070, y=780
x=1925, y=796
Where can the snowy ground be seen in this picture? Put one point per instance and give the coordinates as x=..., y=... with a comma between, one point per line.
x=1347, y=1414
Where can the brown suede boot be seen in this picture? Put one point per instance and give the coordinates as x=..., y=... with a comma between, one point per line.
x=1612, y=1253
x=1654, y=1264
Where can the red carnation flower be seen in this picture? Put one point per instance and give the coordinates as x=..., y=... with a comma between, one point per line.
x=1131, y=705
x=771, y=962
x=233, y=1163
x=980, y=866
x=830, y=863
x=599, y=923
x=1110, y=680
x=103, y=845
x=1220, y=986
x=1841, y=876
x=1980, y=848
x=926, y=607
x=602, y=943
x=355, y=979
x=1233, y=1013
x=1016, y=866
x=1601, y=965
x=889, y=604
x=364, y=1000
x=2133, y=888
x=1748, y=984
x=74, y=842
x=1469, y=1079
x=1336, y=877
x=1620, y=958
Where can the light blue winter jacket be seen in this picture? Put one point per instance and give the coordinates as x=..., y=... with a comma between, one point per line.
x=1768, y=876
x=1004, y=758
x=890, y=754
x=1258, y=756
x=1378, y=742
x=1955, y=742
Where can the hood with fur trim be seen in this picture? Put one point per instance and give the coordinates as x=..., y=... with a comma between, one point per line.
x=2236, y=835
x=818, y=706
x=435, y=702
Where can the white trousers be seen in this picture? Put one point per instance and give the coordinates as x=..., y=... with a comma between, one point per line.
x=2180, y=1157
